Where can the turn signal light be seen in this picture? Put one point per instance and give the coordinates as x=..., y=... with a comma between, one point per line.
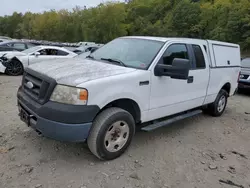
x=83, y=95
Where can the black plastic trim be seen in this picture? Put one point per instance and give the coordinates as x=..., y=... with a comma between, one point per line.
x=231, y=46
x=221, y=67
x=143, y=83
x=52, y=84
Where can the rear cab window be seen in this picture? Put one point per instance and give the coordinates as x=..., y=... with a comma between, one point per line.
x=199, y=57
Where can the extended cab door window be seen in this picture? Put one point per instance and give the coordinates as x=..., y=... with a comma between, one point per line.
x=174, y=51
x=199, y=57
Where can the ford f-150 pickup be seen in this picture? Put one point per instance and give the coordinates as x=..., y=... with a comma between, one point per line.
x=130, y=83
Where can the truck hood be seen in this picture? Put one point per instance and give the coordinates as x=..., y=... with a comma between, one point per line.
x=11, y=54
x=76, y=71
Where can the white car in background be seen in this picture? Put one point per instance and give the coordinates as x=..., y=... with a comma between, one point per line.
x=3, y=38
x=13, y=63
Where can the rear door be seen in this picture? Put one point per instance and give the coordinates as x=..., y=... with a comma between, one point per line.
x=171, y=96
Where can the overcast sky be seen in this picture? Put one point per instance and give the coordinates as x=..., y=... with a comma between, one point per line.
x=7, y=7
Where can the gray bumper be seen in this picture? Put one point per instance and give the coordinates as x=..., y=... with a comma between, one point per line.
x=57, y=130
x=70, y=123
x=61, y=131
x=244, y=85
x=2, y=68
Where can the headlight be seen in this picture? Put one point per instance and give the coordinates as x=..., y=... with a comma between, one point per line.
x=69, y=95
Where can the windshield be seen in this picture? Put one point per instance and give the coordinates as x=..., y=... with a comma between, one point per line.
x=31, y=50
x=245, y=62
x=136, y=53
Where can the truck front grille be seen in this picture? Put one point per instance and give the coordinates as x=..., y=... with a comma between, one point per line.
x=244, y=76
x=37, y=86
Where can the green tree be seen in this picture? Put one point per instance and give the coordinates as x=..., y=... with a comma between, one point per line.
x=226, y=20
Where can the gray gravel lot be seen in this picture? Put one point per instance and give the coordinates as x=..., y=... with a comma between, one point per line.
x=197, y=152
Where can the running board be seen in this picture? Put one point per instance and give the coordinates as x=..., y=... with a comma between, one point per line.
x=164, y=123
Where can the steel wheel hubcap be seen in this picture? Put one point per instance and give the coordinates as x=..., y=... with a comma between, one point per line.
x=116, y=136
x=222, y=103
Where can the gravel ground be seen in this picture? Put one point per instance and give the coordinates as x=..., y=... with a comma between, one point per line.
x=198, y=152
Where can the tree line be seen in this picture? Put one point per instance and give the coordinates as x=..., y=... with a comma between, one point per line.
x=225, y=20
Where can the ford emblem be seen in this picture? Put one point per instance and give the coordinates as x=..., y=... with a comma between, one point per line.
x=30, y=85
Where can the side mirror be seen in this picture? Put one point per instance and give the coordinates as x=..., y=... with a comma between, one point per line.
x=37, y=54
x=178, y=70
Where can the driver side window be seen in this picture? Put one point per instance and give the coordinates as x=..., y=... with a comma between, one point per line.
x=43, y=52
x=48, y=52
x=174, y=51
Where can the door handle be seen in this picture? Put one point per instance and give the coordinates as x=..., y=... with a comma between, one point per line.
x=190, y=79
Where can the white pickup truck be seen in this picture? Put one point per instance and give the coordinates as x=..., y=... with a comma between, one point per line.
x=131, y=82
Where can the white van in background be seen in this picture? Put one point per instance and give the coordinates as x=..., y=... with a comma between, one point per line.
x=144, y=82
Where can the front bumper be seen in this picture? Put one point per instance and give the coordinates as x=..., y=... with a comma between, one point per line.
x=2, y=68
x=57, y=121
x=244, y=85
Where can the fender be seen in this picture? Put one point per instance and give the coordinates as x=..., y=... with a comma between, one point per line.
x=24, y=60
x=118, y=97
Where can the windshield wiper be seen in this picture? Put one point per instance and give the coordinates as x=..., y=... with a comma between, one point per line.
x=114, y=61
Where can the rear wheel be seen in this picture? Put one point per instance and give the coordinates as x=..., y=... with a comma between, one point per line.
x=111, y=134
x=14, y=68
x=218, y=107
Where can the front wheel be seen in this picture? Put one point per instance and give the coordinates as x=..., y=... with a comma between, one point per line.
x=218, y=107
x=111, y=134
x=14, y=68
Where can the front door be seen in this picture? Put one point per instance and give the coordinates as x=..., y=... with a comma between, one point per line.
x=170, y=96
x=43, y=56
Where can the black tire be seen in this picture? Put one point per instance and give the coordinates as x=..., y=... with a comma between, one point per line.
x=101, y=125
x=14, y=68
x=213, y=109
x=240, y=90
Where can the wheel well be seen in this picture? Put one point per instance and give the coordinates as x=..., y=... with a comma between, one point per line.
x=227, y=87
x=16, y=59
x=129, y=105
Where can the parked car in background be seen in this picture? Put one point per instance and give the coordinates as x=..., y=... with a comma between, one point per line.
x=13, y=63
x=87, y=53
x=244, y=81
x=129, y=83
x=15, y=46
x=87, y=49
x=3, y=38
x=85, y=43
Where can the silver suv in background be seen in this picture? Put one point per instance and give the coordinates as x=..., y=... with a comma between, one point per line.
x=244, y=81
